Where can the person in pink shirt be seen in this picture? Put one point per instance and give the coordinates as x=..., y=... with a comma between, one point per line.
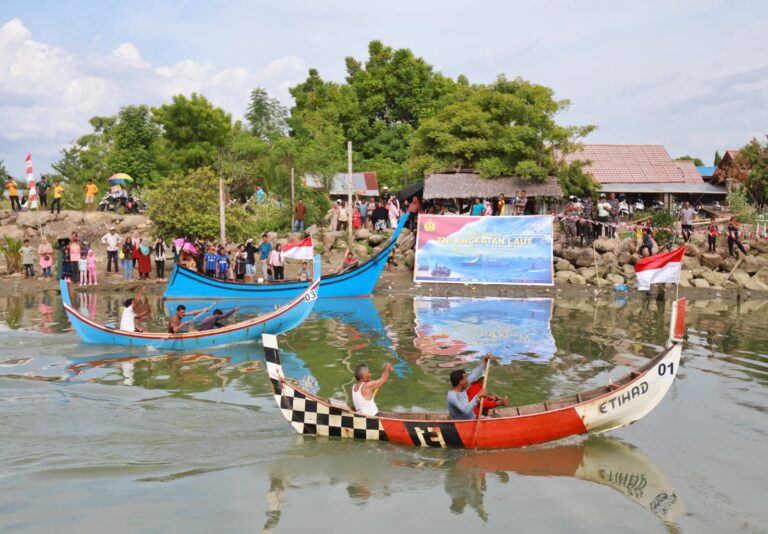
x=91, y=268
x=74, y=258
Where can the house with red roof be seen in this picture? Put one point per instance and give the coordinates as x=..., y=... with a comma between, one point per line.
x=364, y=184
x=645, y=171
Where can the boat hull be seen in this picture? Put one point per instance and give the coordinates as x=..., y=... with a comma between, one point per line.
x=188, y=284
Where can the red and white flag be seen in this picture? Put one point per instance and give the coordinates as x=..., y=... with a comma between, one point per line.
x=32, y=198
x=300, y=250
x=659, y=269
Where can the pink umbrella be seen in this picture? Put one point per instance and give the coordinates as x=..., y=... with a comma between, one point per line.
x=184, y=245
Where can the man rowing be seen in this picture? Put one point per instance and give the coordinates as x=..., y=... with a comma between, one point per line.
x=365, y=388
x=459, y=405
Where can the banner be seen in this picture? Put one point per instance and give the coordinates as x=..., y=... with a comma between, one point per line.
x=467, y=328
x=484, y=250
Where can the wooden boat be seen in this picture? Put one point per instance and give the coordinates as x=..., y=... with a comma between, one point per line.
x=280, y=320
x=358, y=282
x=599, y=410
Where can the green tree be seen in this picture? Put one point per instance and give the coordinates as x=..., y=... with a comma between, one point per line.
x=135, y=145
x=754, y=156
x=696, y=161
x=194, y=131
x=266, y=117
x=3, y=170
x=718, y=157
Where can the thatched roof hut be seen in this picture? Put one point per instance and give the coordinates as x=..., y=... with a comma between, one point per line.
x=468, y=185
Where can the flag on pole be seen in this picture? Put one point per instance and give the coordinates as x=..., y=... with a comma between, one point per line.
x=301, y=250
x=659, y=269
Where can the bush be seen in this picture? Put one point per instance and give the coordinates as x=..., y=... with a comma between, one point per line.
x=740, y=206
x=663, y=219
x=11, y=250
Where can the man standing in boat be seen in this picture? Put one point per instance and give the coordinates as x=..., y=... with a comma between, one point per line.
x=135, y=310
x=459, y=405
x=364, y=389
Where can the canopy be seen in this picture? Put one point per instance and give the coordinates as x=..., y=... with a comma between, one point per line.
x=120, y=178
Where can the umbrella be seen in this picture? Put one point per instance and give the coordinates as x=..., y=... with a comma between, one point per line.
x=120, y=178
x=184, y=245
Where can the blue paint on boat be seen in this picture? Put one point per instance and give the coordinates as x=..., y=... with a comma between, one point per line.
x=278, y=321
x=359, y=282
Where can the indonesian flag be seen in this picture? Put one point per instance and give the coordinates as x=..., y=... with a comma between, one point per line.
x=301, y=250
x=659, y=269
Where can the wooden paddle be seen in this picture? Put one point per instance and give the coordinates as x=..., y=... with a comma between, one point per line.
x=480, y=411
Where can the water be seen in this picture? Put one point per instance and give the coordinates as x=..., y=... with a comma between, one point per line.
x=97, y=438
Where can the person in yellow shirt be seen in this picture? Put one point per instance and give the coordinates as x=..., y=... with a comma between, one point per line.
x=13, y=193
x=57, y=192
x=90, y=194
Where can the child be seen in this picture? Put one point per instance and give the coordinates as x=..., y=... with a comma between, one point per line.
x=66, y=267
x=647, y=237
x=733, y=237
x=304, y=272
x=211, y=260
x=91, y=266
x=28, y=259
x=357, y=217
x=222, y=264
x=391, y=261
x=82, y=268
x=712, y=233
x=45, y=251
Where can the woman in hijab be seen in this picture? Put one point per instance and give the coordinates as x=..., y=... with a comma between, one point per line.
x=45, y=253
x=135, y=241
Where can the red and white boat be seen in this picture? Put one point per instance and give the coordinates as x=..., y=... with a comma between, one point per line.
x=598, y=410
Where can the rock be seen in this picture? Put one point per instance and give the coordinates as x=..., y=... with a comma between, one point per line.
x=605, y=245
x=578, y=280
x=700, y=282
x=360, y=251
x=750, y=264
x=312, y=230
x=563, y=277
x=376, y=239
x=609, y=258
x=686, y=275
x=635, y=258
x=11, y=230
x=685, y=283
x=624, y=258
x=570, y=254
x=362, y=234
x=30, y=233
x=406, y=242
x=729, y=284
x=740, y=277
x=614, y=278
x=691, y=251
x=628, y=270
x=563, y=265
x=328, y=241
x=728, y=264
x=713, y=260
x=714, y=278
x=339, y=244
x=589, y=272
x=690, y=262
x=585, y=258
x=33, y=218
x=629, y=246
x=408, y=262
x=762, y=275
x=132, y=222
x=756, y=284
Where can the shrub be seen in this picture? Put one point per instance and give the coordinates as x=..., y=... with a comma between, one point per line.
x=11, y=250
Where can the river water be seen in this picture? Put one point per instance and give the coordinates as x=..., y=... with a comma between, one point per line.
x=100, y=438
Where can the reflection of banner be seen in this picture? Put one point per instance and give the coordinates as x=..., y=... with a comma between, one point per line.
x=484, y=250
x=512, y=329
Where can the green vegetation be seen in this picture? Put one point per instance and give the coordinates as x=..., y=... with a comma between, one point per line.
x=696, y=161
x=740, y=206
x=11, y=250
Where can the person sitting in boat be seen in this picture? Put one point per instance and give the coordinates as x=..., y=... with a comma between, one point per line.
x=134, y=310
x=349, y=263
x=459, y=405
x=176, y=324
x=214, y=320
x=489, y=403
x=304, y=273
x=364, y=389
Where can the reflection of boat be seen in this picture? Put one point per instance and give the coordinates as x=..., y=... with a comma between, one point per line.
x=360, y=281
x=623, y=402
x=440, y=270
x=277, y=321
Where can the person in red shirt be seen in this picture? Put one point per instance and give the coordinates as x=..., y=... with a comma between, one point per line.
x=489, y=402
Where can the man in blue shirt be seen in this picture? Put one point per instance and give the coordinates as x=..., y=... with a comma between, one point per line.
x=459, y=406
x=259, y=194
x=265, y=247
x=478, y=208
x=211, y=260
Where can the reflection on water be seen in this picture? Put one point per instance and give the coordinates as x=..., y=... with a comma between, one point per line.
x=72, y=411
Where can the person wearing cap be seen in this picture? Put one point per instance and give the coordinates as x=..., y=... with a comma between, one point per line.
x=112, y=240
x=603, y=212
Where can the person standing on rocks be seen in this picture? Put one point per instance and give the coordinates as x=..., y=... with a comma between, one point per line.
x=343, y=217
x=571, y=216
x=648, y=232
x=159, y=252
x=75, y=252
x=13, y=193
x=603, y=213
x=733, y=237
x=45, y=253
x=58, y=190
x=586, y=223
x=301, y=211
x=90, y=195
x=265, y=248
x=250, y=257
x=712, y=233
x=112, y=240
x=613, y=219
x=42, y=192
x=28, y=259
x=687, y=215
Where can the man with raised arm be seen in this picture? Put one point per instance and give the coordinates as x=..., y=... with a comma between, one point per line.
x=365, y=388
x=459, y=406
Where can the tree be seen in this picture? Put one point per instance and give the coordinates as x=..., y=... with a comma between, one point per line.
x=696, y=161
x=3, y=170
x=135, y=145
x=266, y=117
x=718, y=157
x=193, y=132
x=754, y=156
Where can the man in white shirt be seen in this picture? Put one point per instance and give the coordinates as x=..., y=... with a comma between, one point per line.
x=364, y=389
x=133, y=312
x=112, y=240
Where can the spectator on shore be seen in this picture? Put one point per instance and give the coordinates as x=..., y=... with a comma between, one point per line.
x=301, y=211
x=379, y=217
x=91, y=267
x=136, y=242
x=61, y=246
x=522, y=202
x=733, y=238
x=159, y=252
x=13, y=193
x=478, y=208
x=45, y=254
x=369, y=212
x=42, y=192
x=613, y=219
x=126, y=255
x=58, y=190
x=82, y=267
x=357, y=218
x=187, y=260
x=648, y=232
x=250, y=257
x=222, y=264
x=112, y=240
x=241, y=259
x=144, y=261
x=500, y=204
x=90, y=195
x=211, y=261
x=334, y=212
x=259, y=194
x=75, y=253
x=265, y=248
x=362, y=205
x=343, y=216
x=393, y=211
x=686, y=217
x=603, y=214
x=277, y=263
x=28, y=259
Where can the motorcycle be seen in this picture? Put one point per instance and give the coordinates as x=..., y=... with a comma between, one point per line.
x=122, y=204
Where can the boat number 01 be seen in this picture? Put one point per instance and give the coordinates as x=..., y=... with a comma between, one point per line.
x=311, y=295
x=665, y=368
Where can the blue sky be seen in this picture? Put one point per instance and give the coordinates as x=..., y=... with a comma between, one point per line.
x=691, y=75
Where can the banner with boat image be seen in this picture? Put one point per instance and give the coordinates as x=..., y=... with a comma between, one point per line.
x=484, y=250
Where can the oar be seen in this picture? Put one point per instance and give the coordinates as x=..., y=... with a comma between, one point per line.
x=480, y=412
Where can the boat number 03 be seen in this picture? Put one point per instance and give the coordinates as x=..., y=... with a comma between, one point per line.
x=665, y=368
x=310, y=296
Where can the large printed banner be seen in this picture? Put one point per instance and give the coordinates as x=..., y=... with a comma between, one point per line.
x=484, y=250
x=467, y=328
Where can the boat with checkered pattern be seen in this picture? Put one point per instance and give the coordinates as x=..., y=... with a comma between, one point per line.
x=620, y=403
x=358, y=282
x=278, y=321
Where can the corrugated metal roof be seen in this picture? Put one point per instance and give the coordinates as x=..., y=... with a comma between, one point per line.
x=364, y=183
x=706, y=171
x=664, y=187
x=471, y=185
x=632, y=164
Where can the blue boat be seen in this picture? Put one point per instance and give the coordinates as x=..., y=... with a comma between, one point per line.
x=358, y=282
x=280, y=320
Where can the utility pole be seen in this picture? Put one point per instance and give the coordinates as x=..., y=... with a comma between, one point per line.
x=222, y=218
x=293, y=209
x=349, y=194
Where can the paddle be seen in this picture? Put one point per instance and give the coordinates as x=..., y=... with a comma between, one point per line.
x=480, y=411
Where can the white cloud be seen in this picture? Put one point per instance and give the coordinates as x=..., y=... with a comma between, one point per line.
x=127, y=54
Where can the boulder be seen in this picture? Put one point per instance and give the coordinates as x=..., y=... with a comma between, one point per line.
x=578, y=280
x=362, y=234
x=11, y=230
x=410, y=253
x=33, y=218
x=605, y=245
x=312, y=230
x=406, y=242
x=30, y=233
x=691, y=251
x=686, y=282
x=713, y=260
x=609, y=258
x=728, y=264
x=614, y=278
x=360, y=251
x=750, y=264
x=557, y=249
x=740, y=277
x=762, y=275
x=756, y=284
x=376, y=239
x=132, y=222
x=700, y=282
x=686, y=275
x=714, y=278
x=563, y=277
x=586, y=258
x=563, y=265
x=339, y=244
x=629, y=246
x=690, y=262
x=628, y=270
x=624, y=258
x=570, y=254
x=635, y=258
